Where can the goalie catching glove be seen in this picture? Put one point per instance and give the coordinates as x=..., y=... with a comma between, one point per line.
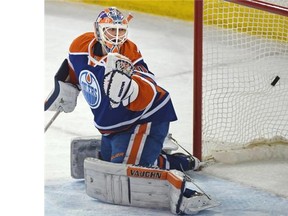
x=118, y=83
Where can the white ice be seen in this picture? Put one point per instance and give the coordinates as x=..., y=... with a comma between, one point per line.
x=254, y=188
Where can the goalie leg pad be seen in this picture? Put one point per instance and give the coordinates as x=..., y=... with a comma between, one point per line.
x=130, y=185
x=81, y=148
x=112, y=183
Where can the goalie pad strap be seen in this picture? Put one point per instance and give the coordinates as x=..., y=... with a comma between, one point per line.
x=178, y=205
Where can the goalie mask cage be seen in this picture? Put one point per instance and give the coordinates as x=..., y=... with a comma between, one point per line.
x=240, y=74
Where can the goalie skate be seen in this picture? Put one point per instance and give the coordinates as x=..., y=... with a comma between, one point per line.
x=83, y=147
x=195, y=201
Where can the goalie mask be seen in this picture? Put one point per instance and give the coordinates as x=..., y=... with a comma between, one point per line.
x=111, y=29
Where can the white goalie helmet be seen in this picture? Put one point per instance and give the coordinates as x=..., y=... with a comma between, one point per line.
x=111, y=29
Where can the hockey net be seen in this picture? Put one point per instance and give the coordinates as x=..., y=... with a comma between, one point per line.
x=244, y=75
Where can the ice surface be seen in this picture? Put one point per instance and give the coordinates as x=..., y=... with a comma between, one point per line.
x=258, y=188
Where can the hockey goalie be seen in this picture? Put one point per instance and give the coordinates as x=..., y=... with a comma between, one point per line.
x=128, y=164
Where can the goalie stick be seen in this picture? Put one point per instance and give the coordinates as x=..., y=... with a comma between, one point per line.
x=51, y=120
x=175, y=141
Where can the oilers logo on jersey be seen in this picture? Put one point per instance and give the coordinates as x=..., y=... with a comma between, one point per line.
x=90, y=88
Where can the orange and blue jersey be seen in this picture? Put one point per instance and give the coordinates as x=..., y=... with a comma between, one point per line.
x=87, y=68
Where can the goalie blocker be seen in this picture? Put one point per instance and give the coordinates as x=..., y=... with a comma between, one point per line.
x=64, y=95
x=130, y=185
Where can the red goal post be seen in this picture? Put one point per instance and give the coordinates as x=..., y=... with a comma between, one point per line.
x=240, y=74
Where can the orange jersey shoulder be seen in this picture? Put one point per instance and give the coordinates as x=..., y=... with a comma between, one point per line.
x=81, y=43
x=130, y=50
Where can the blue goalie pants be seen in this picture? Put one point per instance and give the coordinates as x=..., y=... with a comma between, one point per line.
x=142, y=146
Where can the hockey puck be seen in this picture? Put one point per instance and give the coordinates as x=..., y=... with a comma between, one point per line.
x=276, y=79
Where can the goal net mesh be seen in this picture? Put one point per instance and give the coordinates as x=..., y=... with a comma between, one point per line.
x=245, y=76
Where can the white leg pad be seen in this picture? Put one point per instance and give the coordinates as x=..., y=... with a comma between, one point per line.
x=81, y=148
x=130, y=185
x=109, y=182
